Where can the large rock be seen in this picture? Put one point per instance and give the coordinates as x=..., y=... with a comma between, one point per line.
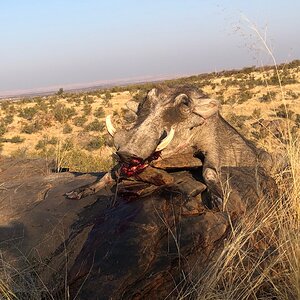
x=144, y=242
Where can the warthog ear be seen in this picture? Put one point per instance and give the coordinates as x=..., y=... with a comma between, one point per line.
x=132, y=106
x=206, y=107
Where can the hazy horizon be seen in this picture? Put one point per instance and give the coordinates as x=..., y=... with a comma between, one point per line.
x=72, y=43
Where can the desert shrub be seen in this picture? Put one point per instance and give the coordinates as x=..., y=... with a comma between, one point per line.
x=26, y=100
x=244, y=96
x=41, y=144
x=285, y=78
x=66, y=145
x=107, y=95
x=99, y=112
x=106, y=99
x=28, y=113
x=53, y=140
x=95, y=143
x=42, y=105
x=77, y=101
x=2, y=128
x=293, y=95
x=62, y=113
x=282, y=111
x=79, y=121
x=268, y=97
x=31, y=128
x=7, y=107
x=4, y=105
x=67, y=129
x=8, y=119
x=80, y=160
x=87, y=109
x=53, y=100
x=17, y=139
x=88, y=99
x=44, y=119
x=96, y=125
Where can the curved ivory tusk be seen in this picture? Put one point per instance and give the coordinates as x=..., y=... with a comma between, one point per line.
x=110, y=128
x=166, y=141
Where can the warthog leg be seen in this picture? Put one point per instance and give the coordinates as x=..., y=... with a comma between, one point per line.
x=91, y=188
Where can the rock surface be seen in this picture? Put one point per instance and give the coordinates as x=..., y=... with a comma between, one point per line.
x=138, y=241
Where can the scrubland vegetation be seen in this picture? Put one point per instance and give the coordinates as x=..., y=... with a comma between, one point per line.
x=74, y=123
x=70, y=129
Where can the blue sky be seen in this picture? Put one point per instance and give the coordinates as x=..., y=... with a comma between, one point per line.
x=58, y=43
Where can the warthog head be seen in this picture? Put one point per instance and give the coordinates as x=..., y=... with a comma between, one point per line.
x=167, y=123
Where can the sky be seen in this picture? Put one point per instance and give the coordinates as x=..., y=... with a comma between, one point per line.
x=65, y=43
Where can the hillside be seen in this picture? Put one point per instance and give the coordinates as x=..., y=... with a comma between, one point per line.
x=69, y=127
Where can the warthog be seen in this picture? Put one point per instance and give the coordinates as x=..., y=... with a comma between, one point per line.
x=181, y=126
x=129, y=249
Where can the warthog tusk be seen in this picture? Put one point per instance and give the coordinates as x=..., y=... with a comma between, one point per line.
x=166, y=141
x=110, y=128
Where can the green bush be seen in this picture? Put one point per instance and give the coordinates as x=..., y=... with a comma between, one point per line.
x=42, y=105
x=8, y=119
x=2, y=128
x=67, y=129
x=52, y=141
x=28, y=113
x=268, y=97
x=106, y=99
x=283, y=112
x=41, y=144
x=31, y=128
x=95, y=126
x=292, y=95
x=80, y=160
x=244, y=96
x=88, y=99
x=99, y=112
x=87, y=109
x=95, y=144
x=62, y=113
x=17, y=139
x=79, y=121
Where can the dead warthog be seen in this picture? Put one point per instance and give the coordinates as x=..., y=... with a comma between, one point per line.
x=182, y=128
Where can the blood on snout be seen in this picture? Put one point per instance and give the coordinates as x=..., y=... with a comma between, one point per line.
x=137, y=165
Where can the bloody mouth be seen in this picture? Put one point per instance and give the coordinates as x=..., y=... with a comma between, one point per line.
x=137, y=165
